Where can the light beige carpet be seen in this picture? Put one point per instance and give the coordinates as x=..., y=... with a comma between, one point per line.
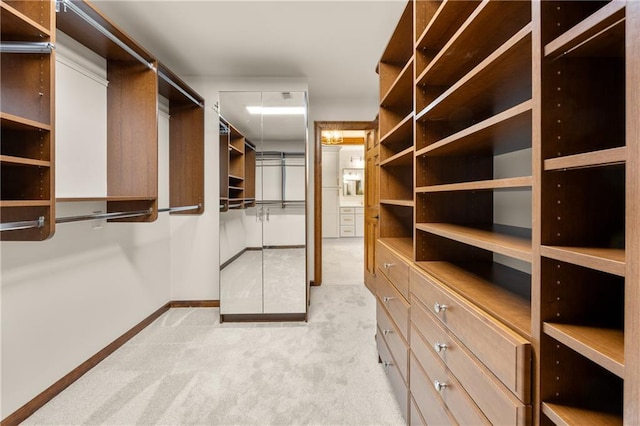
x=187, y=368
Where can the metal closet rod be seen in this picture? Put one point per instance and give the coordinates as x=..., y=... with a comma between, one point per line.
x=25, y=224
x=96, y=216
x=26, y=47
x=68, y=4
x=179, y=89
x=179, y=209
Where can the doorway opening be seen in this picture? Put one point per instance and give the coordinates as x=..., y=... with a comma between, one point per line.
x=339, y=194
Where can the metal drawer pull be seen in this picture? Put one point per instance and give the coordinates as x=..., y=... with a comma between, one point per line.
x=388, y=265
x=385, y=331
x=387, y=364
x=440, y=347
x=438, y=307
x=387, y=298
x=439, y=385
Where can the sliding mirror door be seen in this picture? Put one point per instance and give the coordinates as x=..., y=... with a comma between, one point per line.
x=262, y=219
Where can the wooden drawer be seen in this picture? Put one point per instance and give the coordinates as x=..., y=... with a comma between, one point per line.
x=395, y=342
x=398, y=386
x=393, y=267
x=497, y=403
x=428, y=402
x=347, y=210
x=395, y=304
x=456, y=399
x=415, y=418
x=505, y=353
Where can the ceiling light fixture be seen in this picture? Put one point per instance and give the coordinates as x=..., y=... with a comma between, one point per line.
x=276, y=110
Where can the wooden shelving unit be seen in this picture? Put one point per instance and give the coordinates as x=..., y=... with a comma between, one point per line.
x=588, y=216
x=132, y=104
x=396, y=69
x=553, y=87
x=26, y=119
x=186, y=142
x=237, y=169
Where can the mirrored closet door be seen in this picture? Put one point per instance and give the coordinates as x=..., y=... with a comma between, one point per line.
x=263, y=176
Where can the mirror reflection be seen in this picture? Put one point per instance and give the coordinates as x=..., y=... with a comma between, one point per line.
x=263, y=175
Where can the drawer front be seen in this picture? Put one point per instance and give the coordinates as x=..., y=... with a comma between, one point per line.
x=359, y=210
x=347, y=231
x=394, y=267
x=506, y=354
x=398, y=386
x=347, y=219
x=428, y=403
x=347, y=210
x=395, y=304
x=415, y=418
x=456, y=399
x=497, y=403
x=395, y=342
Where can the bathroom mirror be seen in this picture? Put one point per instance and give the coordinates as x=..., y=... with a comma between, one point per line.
x=263, y=181
x=352, y=182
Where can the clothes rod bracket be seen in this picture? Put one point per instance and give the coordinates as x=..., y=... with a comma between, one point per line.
x=25, y=224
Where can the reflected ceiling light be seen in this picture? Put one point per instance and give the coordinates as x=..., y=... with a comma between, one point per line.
x=276, y=110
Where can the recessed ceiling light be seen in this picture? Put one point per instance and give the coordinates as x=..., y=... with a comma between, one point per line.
x=276, y=110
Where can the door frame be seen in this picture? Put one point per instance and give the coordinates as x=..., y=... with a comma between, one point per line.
x=318, y=127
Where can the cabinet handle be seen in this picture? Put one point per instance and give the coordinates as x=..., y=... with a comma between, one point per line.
x=439, y=307
x=385, y=331
x=387, y=364
x=387, y=298
x=440, y=347
x=388, y=265
x=439, y=385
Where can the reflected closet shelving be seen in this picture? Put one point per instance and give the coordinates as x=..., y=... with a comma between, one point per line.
x=237, y=169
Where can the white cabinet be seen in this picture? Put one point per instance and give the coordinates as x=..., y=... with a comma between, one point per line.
x=351, y=221
x=330, y=213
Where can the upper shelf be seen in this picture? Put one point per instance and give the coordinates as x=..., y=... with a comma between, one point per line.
x=18, y=26
x=400, y=88
x=605, y=157
x=475, y=39
x=599, y=25
x=401, y=134
x=523, y=182
x=11, y=121
x=403, y=158
x=508, y=66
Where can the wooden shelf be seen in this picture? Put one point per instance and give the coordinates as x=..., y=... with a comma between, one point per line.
x=402, y=85
x=398, y=133
x=495, y=184
x=603, y=346
x=504, y=67
x=234, y=177
x=402, y=245
x=113, y=198
x=485, y=285
x=401, y=134
x=403, y=158
x=11, y=121
x=15, y=23
x=509, y=244
x=8, y=160
x=474, y=40
x=25, y=203
x=234, y=150
x=564, y=415
x=608, y=260
x=398, y=51
x=590, y=28
x=497, y=133
x=605, y=157
x=399, y=203
x=235, y=188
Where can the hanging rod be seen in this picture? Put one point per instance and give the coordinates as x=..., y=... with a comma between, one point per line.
x=233, y=206
x=179, y=209
x=70, y=5
x=26, y=47
x=96, y=216
x=179, y=89
x=25, y=224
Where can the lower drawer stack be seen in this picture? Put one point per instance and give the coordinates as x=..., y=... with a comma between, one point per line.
x=448, y=361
